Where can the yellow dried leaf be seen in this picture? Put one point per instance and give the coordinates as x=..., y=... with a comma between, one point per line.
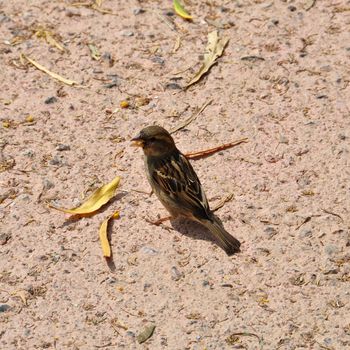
x=106, y=248
x=49, y=37
x=22, y=294
x=51, y=74
x=213, y=51
x=5, y=124
x=179, y=9
x=94, y=52
x=52, y=41
x=100, y=197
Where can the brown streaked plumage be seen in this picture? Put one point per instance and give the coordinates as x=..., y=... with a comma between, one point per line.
x=176, y=184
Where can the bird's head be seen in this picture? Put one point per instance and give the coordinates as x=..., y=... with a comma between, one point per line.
x=155, y=141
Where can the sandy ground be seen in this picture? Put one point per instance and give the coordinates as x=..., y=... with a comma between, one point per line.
x=288, y=288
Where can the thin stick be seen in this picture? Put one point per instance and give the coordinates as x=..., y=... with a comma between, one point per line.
x=207, y=152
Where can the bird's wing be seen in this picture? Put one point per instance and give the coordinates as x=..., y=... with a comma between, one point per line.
x=176, y=177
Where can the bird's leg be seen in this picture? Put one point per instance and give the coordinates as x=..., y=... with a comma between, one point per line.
x=159, y=221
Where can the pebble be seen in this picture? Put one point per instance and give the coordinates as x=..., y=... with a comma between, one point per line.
x=148, y=250
x=28, y=153
x=4, y=18
x=292, y=8
x=51, y=100
x=4, y=238
x=111, y=280
x=331, y=271
x=283, y=139
x=47, y=184
x=173, y=86
x=175, y=274
x=157, y=59
x=62, y=147
x=23, y=198
x=146, y=286
x=4, y=307
x=304, y=233
x=138, y=11
x=328, y=341
x=326, y=68
x=56, y=160
x=271, y=231
x=331, y=249
x=127, y=33
x=169, y=13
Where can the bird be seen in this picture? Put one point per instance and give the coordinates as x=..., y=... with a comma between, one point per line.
x=177, y=186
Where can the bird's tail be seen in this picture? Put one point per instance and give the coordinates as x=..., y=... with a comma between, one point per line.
x=227, y=242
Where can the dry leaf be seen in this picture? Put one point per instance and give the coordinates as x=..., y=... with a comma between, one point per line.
x=100, y=197
x=180, y=10
x=22, y=294
x=177, y=44
x=47, y=35
x=106, y=248
x=214, y=50
x=146, y=334
x=95, y=53
x=51, y=74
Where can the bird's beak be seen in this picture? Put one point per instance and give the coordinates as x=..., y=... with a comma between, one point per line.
x=137, y=141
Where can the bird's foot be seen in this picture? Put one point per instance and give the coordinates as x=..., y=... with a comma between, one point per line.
x=158, y=221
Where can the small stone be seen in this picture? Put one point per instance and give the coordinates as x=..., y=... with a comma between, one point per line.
x=326, y=68
x=275, y=22
x=271, y=231
x=173, y=86
x=47, y=184
x=4, y=238
x=175, y=274
x=331, y=249
x=130, y=334
x=148, y=250
x=127, y=33
x=111, y=280
x=342, y=137
x=157, y=59
x=28, y=153
x=283, y=139
x=56, y=160
x=304, y=233
x=62, y=147
x=292, y=8
x=205, y=283
x=328, y=341
x=138, y=11
x=169, y=13
x=4, y=307
x=331, y=271
x=51, y=100
x=146, y=286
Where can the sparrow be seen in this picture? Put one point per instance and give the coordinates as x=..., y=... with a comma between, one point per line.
x=176, y=184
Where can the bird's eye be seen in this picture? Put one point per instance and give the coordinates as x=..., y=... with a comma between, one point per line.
x=152, y=139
